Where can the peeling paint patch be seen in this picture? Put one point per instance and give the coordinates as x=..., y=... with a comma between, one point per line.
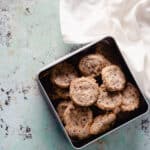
x=145, y=125
x=5, y=29
x=8, y=94
x=4, y=127
x=25, y=132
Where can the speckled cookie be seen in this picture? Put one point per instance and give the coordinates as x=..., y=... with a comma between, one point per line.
x=61, y=109
x=78, y=116
x=84, y=91
x=60, y=92
x=102, y=123
x=92, y=64
x=62, y=74
x=107, y=100
x=113, y=78
x=130, y=98
x=78, y=121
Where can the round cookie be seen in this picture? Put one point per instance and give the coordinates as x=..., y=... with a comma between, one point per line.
x=61, y=93
x=92, y=64
x=78, y=121
x=113, y=78
x=108, y=101
x=78, y=116
x=84, y=91
x=130, y=98
x=62, y=74
x=102, y=123
x=62, y=106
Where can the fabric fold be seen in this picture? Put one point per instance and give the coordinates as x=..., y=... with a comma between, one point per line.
x=84, y=21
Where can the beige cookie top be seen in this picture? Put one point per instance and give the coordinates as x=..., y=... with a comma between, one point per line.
x=78, y=116
x=62, y=74
x=78, y=121
x=130, y=98
x=62, y=106
x=84, y=91
x=102, y=123
x=113, y=78
x=92, y=64
x=107, y=100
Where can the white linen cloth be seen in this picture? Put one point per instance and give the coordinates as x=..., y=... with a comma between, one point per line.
x=128, y=21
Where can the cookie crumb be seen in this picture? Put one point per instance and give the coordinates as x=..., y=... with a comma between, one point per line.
x=6, y=102
x=21, y=127
x=25, y=98
x=28, y=10
x=2, y=90
x=25, y=132
x=9, y=34
x=28, y=129
x=6, y=128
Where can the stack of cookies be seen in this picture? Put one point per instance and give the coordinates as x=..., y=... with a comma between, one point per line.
x=79, y=90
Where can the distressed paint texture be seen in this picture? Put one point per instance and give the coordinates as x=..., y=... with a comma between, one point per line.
x=30, y=38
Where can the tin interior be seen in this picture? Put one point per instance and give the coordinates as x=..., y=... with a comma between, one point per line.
x=111, y=46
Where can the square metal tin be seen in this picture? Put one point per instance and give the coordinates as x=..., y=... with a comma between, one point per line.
x=43, y=80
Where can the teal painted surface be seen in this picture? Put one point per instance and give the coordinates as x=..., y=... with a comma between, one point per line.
x=30, y=38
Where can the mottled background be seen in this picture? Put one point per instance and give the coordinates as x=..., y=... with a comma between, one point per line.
x=30, y=38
